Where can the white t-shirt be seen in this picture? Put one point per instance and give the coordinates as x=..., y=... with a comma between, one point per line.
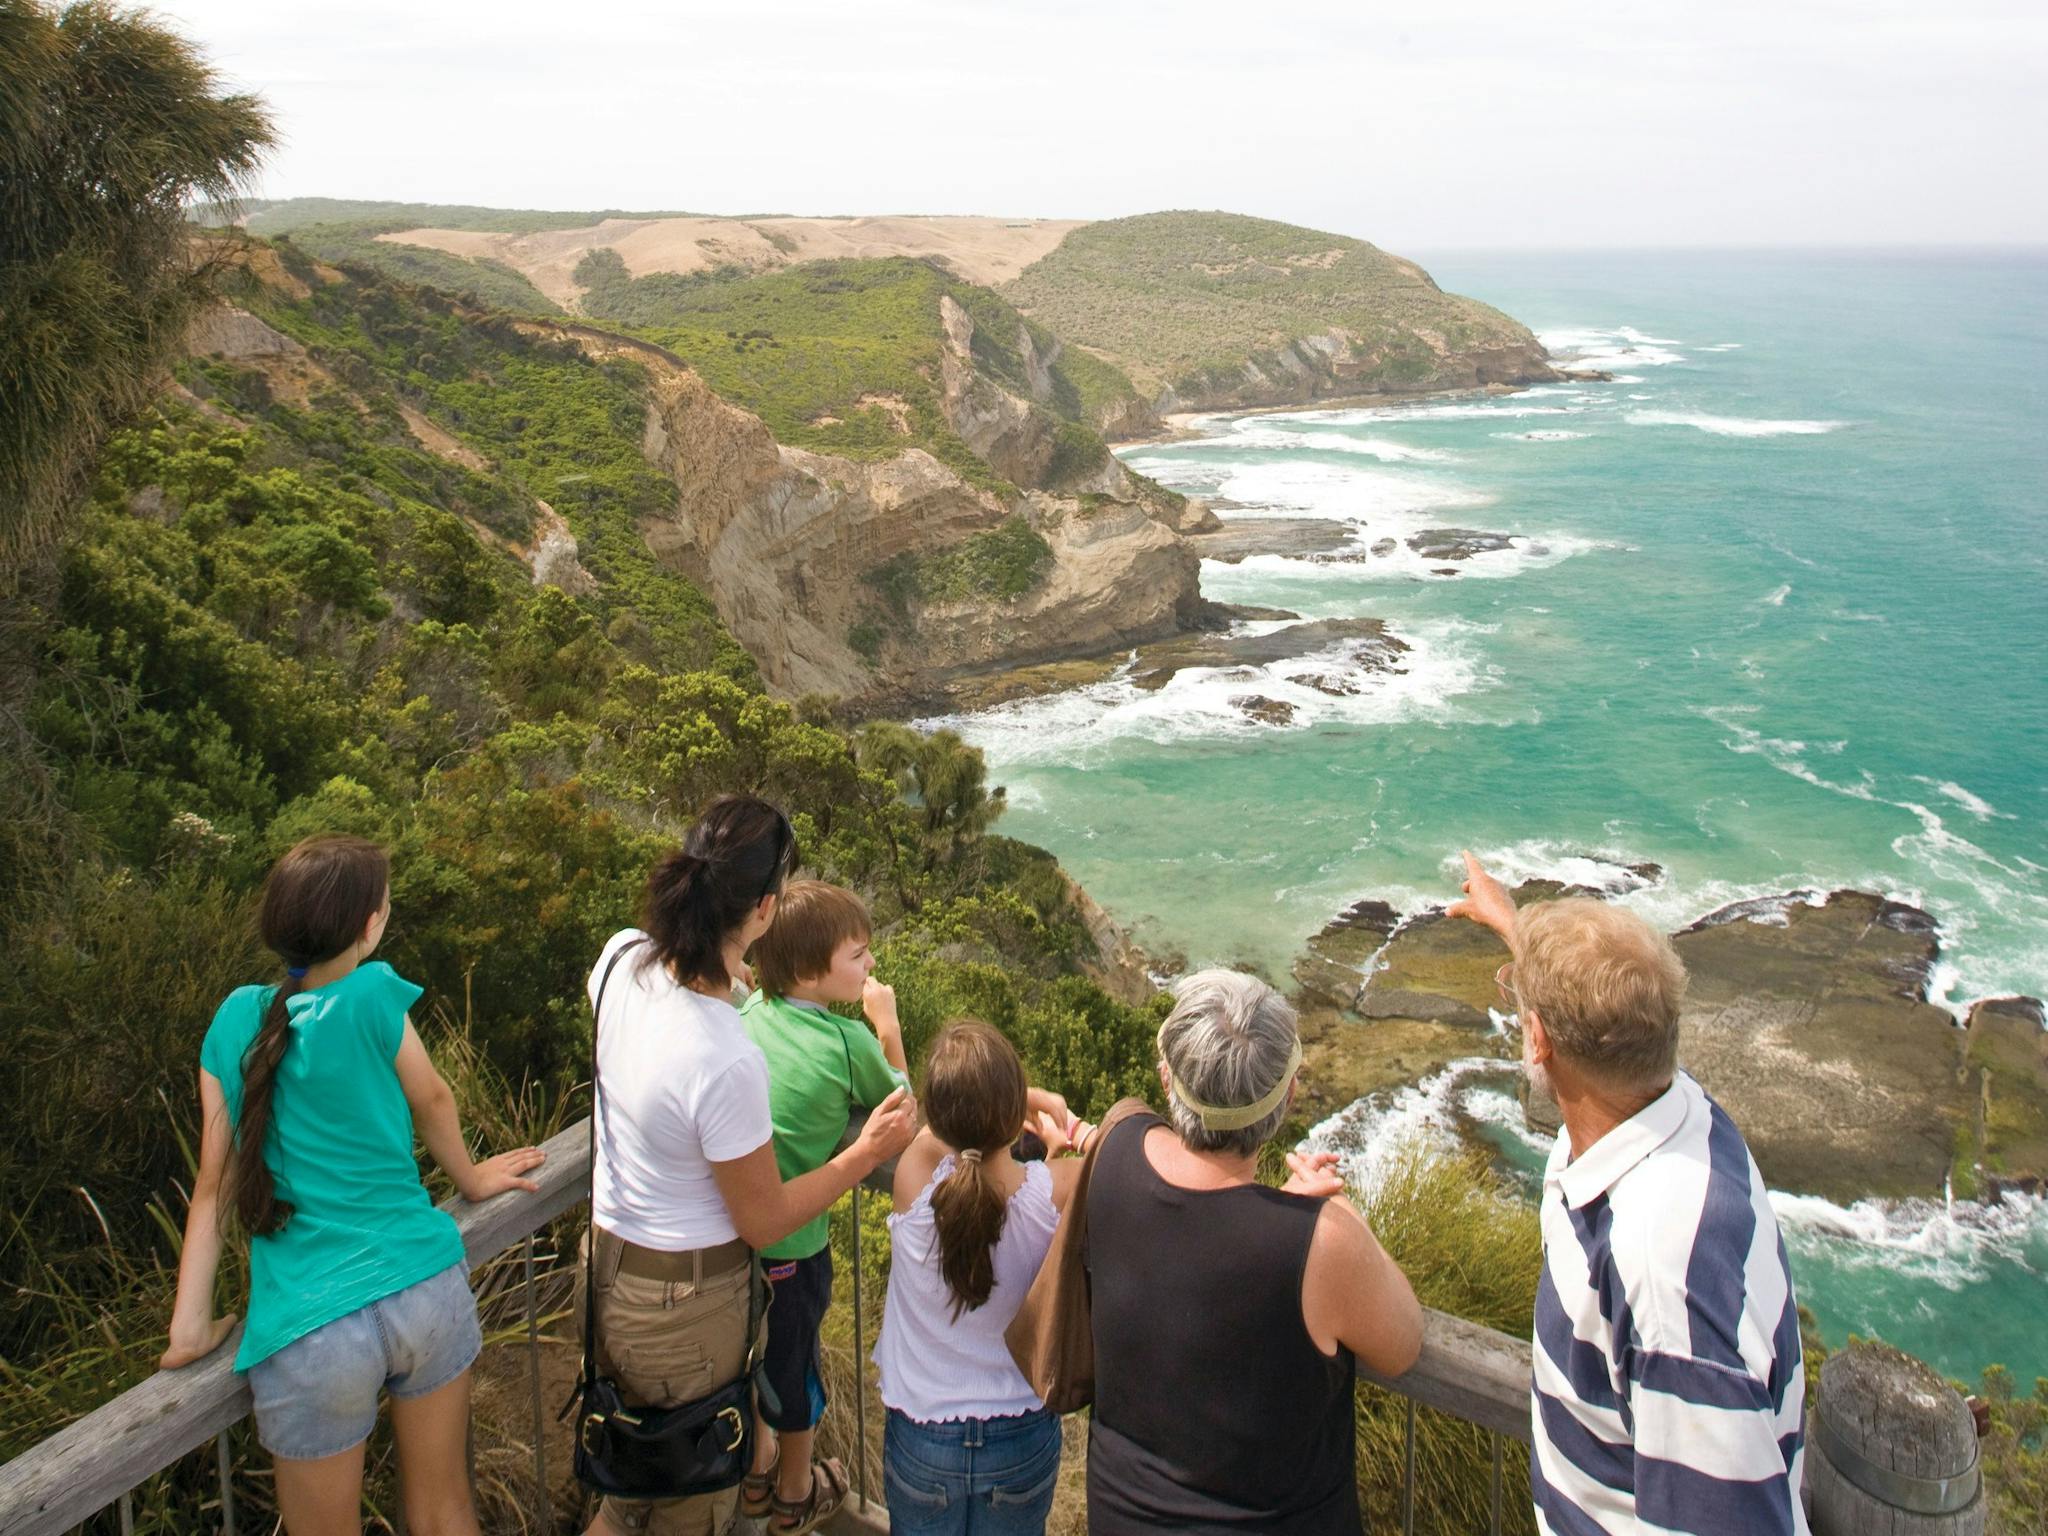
x=683, y=1088
x=936, y=1367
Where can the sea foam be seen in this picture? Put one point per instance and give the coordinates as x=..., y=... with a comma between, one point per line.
x=1730, y=426
x=1610, y=348
x=1200, y=703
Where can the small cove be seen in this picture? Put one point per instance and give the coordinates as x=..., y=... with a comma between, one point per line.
x=1769, y=615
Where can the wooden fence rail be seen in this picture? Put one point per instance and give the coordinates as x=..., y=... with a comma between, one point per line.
x=1467, y=1370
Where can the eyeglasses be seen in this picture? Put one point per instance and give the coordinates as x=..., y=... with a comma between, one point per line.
x=1504, y=983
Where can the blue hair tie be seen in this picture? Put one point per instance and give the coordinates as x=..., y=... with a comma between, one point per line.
x=296, y=972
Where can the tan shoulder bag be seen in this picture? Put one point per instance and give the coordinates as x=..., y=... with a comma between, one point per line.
x=1052, y=1336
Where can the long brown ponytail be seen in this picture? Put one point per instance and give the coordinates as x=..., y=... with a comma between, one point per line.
x=317, y=901
x=973, y=1100
x=738, y=851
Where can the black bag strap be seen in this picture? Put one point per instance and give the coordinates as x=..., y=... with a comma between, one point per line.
x=756, y=1286
x=590, y=1248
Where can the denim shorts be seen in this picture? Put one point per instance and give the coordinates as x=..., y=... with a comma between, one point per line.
x=970, y=1477
x=318, y=1395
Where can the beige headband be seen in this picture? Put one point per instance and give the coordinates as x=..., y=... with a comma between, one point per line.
x=1235, y=1117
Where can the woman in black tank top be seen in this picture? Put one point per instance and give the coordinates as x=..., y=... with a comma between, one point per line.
x=1216, y=1407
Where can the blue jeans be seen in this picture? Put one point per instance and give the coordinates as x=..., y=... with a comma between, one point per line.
x=970, y=1477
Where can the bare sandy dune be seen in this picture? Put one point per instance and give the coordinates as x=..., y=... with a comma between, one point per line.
x=982, y=250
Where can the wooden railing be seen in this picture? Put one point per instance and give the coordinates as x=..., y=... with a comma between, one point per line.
x=1472, y=1372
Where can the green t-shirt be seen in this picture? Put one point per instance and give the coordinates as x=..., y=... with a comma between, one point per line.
x=341, y=1152
x=820, y=1068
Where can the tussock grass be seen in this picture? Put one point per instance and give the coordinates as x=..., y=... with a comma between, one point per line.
x=1471, y=1249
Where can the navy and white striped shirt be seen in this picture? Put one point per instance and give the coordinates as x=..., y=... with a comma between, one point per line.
x=1668, y=1390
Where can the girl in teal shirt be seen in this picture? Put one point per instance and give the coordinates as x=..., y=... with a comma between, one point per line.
x=309, y=1096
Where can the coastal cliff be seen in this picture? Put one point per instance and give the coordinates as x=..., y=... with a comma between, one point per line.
x=1164, y=311
x=876, y=580
x=1215, y=311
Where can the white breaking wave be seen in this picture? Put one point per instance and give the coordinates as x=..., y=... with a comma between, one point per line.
x=1371, y=1134
x=1209, y=703
x=1260, y=432
x=1342, y=492
x=1610, y=348
x=1730, y=426
x=1542, y=437
x=1982, y=809
x=1776, y=598
x=1723, y=346
x=1949, y=1245
x=1933, y=852
x=1502, y=406
x=1538, y=858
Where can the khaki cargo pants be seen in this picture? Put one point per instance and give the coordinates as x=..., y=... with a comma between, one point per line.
x=666, y=1342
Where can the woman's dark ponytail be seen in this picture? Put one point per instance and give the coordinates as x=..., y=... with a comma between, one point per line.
x=974, y=1101
x=317, y=901
x=740, y=850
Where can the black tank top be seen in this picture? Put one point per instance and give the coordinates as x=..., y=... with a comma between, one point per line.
x=1214, y=1409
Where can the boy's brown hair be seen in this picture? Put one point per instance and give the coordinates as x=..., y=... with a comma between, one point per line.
x=811, y=921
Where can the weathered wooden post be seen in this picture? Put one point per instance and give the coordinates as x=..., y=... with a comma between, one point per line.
x=1891, y=1449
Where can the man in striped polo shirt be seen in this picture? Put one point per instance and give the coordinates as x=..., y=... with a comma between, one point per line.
x=1668, y=1391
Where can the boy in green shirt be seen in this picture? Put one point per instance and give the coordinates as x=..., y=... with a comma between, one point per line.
x=820, y=1068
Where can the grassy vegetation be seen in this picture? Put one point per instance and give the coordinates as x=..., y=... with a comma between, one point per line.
x=488, y=284
x=1186, y=299
x=280, y=615
x=845, y=357
x=270, y=217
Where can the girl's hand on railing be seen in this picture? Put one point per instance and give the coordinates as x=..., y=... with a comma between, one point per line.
x=501, y=1174
x=190, y=1344
x=1314, y=1174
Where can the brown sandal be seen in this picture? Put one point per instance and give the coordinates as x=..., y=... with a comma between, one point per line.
x=757, y=1490
x=814, y=1508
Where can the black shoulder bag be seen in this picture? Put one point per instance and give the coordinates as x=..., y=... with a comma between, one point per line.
x=634, y=1452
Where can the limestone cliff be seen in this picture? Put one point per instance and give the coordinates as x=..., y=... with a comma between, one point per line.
x=789, y=542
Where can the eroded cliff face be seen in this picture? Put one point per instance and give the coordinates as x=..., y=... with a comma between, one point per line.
x=786, y=542
x=1335, y=364
x=1019, y=438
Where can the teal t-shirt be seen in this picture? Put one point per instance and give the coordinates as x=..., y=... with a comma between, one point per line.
x=341, y=1152
x=820, y=1069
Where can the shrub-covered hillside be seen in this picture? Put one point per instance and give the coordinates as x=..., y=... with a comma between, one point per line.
x=1211, y=307
x=297, y=601
x=845, y=356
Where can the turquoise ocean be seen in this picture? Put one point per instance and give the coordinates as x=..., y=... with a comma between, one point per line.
x=1774, y=617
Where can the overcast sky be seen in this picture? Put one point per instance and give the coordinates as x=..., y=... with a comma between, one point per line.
x=1421, y=124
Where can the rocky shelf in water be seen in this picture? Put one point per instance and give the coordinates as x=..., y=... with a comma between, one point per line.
x=1805, y=1017
x=1333, y=653
x=1327, y=541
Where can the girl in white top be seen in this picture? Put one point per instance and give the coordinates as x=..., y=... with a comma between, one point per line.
x=685, y=1181
x=969, y=1449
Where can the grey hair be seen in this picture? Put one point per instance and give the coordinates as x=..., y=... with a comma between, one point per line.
x=1229, y=1038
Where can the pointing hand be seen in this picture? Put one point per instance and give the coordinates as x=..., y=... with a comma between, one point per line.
x=1486, y=902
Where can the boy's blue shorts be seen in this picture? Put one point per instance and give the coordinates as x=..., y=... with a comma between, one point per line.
x=802, y=1292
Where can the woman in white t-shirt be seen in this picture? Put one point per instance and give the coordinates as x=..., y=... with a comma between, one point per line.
x=685, y=1185
x=969, y=1449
